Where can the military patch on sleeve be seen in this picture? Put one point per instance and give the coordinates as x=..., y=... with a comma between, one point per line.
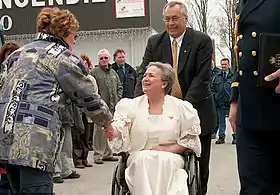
x=56, y=50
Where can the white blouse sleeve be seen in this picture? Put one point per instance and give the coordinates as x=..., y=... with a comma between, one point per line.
x=190, y=128
x=122, y=122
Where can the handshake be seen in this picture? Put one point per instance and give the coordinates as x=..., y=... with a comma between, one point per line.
x=109, y=132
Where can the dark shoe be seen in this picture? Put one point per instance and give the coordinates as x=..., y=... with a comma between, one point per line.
x=110, y=158
x=233, y=139
x=73, y=175
x=79, y=165
x=213, y=136
x=98, y=161
x=90, y=148
x=220, y=141
x=58, y=180
x=86, y=164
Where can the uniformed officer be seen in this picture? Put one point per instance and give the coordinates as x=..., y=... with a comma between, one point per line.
x=255, y=110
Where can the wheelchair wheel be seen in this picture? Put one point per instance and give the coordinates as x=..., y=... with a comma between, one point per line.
x=194, y=181
x=115, y=188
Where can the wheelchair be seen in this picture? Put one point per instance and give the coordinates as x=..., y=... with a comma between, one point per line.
x=119, y=186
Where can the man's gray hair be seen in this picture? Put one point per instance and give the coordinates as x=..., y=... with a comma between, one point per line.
x=183, y=7
x=103, y=51
x=168, y=74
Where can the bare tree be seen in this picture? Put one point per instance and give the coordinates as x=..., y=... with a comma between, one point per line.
x=226, y=27
x=200, y=15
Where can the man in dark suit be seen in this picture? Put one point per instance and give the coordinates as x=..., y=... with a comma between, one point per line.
x=190, y=54
x=255, y=109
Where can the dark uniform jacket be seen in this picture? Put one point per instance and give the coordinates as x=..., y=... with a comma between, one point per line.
x=35, y=79
x=257, y=106
x=215, y=71
x=221, y=89
x=128, y=79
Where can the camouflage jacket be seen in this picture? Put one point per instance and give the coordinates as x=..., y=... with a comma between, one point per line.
x=36, y=80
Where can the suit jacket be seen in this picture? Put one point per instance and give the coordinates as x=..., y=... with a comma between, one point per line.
x=257, y=106
x=194, y=71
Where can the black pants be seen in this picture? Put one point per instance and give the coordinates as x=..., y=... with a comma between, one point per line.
x=80, y=142
x=90, y=138
x=26, y=180
x=258, y=161
x=4, y=185
x=204, y=161
x=218, y=122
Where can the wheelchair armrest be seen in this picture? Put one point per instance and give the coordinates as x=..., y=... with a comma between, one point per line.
x=188, y=152
x=124, y=156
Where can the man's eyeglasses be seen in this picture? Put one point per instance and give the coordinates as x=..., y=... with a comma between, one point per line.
x=174, y=19
x=103, y=58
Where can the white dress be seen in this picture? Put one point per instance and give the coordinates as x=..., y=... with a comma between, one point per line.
x=151, y=172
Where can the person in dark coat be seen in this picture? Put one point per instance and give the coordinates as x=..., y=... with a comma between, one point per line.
x=221, y=89
x=255, y=109
x=127, y=73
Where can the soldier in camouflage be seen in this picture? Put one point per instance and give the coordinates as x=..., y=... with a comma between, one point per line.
x=35, y=79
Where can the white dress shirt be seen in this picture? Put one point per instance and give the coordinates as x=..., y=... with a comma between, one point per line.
x=179, y=43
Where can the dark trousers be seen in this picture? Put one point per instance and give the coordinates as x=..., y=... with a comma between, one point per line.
x=218, y=122
x=26, y=180
x=258, y=161
x=4, y=185
x=80, y=142
x=90, y=138
x=204, y=161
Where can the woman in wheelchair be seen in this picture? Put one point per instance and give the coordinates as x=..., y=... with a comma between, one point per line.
x=155, y=129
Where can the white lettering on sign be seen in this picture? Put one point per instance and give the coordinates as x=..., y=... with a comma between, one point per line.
x=7, y=4
x=7, y=22
x=38, y=3
x=21, y=3
x=59, y=2
x=72, y=2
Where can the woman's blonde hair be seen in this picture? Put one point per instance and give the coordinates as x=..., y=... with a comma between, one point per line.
x=56, y=22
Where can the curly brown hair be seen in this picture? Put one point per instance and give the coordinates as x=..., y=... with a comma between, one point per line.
x=56, y=22
x=8, y=48
x=87, y=60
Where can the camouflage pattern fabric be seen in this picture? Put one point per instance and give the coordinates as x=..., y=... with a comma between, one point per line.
x=35, y=81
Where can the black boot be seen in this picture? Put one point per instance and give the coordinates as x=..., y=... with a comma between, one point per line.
x=221, y=140
x=86, y=164
x=233, y=139
x=79, y=164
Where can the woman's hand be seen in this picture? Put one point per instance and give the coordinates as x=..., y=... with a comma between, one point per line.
x=109, y=132
x=174, y=148
x=161, y=148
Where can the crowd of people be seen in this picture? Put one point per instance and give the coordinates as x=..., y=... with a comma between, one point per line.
x=56, y=105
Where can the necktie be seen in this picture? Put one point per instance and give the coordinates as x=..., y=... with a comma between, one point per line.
x=225, y=76
x=176, y=89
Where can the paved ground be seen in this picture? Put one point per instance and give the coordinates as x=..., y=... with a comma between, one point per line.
x=97, y=180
